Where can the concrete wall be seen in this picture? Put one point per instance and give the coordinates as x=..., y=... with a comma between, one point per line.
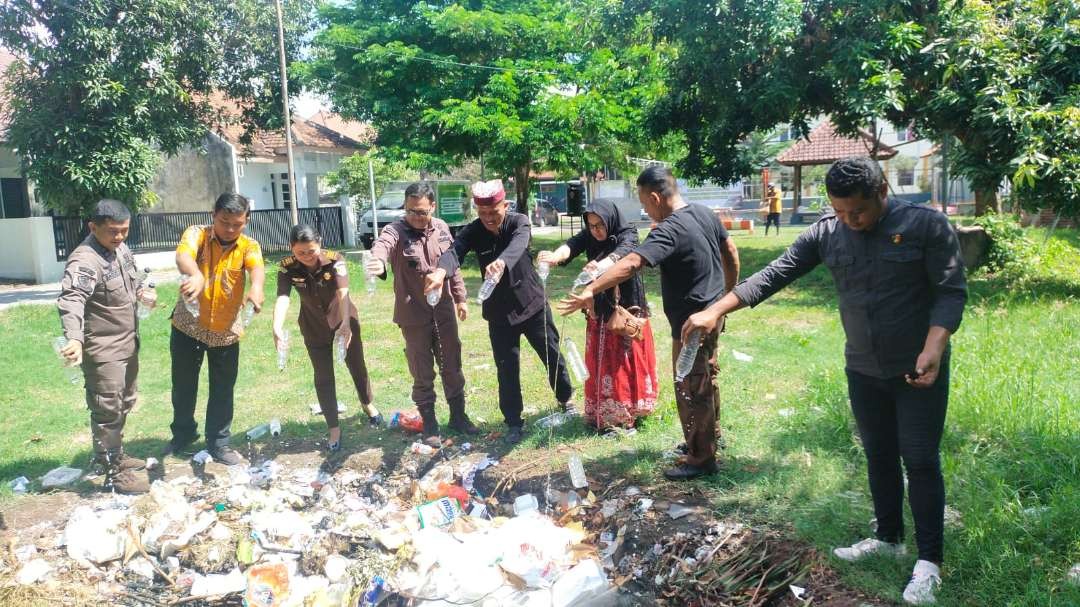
x=194, y=178
x=254, y=179
x=29, y=250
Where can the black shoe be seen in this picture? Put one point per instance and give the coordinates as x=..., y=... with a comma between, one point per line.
x=180, y=449
x=376, y=422
x=514, y=435
x=226, y=455
x=569, y=408
x=685, y=472
x=682, y=449
x=463, y=425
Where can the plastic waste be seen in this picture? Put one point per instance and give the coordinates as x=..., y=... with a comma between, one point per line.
x=544, y=270
x=554, y=420
x=574, y=361
x=407, y=421
x=742, y=357
x=1074, y=575
x=421, y=449
x=687, y=355
x=19, y=485
x=249, y=313
x=488, y=287
x=525, y=504
x=96, y=537
x=59, y=477
x=257, y=432
x=141, y=309
x=583, y=582
x=33, y=572
x=336, y=566
x=433, y=297
x=218, y=584
x=192, y=305
x=202, y=457
x=72, y=372
x=438, y=513
x=283, y=350
x=373, y=592
x=676, y=511
x=577, y=473
x=452, y=491
x=365, y=257
x=275, y=427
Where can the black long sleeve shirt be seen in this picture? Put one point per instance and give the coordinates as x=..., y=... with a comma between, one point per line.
x=893, y=282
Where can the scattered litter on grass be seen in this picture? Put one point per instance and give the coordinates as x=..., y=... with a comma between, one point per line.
x=742, y=357
x=60, y=477
x=19, y=485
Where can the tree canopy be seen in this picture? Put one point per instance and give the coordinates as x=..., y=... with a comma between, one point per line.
x=997, y=76
x=522, y=84
x=103, y=88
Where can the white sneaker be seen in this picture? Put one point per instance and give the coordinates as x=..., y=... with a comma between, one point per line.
x=925, y=580
x=869, y=547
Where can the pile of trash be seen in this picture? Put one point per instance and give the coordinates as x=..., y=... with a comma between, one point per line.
x=346, y=535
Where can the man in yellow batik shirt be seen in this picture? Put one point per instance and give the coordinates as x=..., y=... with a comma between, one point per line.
x=208, y=320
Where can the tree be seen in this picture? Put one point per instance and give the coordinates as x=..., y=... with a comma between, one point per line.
x=353, y=177
x=103, y=88
x=521, y=87
x=997, y=75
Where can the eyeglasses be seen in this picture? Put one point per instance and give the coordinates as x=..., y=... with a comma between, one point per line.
x=594, y=226
x=418, y=213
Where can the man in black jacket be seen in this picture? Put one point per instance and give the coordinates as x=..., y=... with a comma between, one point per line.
x=517, y=306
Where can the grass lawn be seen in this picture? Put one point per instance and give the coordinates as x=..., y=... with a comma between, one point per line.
x=1011, y=448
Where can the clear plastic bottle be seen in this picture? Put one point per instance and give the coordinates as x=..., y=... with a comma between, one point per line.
x=577, y=473
x=433, y=297
x=249, y=313
x=488, y=287
x=283, y=350
x=339, y=348
x=544, y=270
x=192, y=305
x=141, y=309
x=275, y=427
x=365, y=257
x=574, y=360
x=687, y=355
x=586, y=277
x=70, y=371
x=257, y=432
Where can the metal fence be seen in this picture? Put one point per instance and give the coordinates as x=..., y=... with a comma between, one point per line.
x=162, y=231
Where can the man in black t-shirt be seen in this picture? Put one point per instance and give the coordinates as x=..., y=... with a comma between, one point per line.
x=698, y=264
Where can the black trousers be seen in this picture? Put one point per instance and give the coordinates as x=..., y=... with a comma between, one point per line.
x=898, y=422
x=506, y=347
x=772, y=219
x=187, y=357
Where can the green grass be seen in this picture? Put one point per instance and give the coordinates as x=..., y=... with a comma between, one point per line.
x=1012, y=439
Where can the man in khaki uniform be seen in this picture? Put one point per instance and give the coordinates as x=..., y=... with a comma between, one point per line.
x=97, y=307
x=412, y=247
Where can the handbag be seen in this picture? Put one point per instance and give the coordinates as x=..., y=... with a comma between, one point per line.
x=627, y=322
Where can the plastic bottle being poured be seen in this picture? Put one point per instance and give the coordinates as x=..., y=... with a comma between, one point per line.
x=488, y=287
x=586, y=277
x=192, y=305
x=687, y=355
x=283, y=350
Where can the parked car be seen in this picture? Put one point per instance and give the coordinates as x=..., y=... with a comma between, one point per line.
x=452, y=205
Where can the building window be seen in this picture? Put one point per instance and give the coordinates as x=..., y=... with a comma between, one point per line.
x=14, y=198
x=905, y=177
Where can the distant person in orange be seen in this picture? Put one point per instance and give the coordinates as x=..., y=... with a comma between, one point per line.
x=772, y=207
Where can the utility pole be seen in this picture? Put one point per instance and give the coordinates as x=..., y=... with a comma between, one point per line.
x=374, y=207
x=293, y=198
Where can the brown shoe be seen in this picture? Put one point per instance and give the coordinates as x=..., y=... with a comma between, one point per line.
x=123, y=461
x=128, y=482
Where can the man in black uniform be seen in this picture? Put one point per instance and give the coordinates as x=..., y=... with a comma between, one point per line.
x=901, y=288
x=517, y=306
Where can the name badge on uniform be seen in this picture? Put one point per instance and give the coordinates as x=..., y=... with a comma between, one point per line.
x=326, y=276
x=897, y=238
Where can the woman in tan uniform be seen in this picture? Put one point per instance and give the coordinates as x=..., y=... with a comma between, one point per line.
x=326, y=315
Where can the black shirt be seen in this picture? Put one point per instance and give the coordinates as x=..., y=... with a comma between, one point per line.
x=687, y=248
x=894, y=282
x=519, y=294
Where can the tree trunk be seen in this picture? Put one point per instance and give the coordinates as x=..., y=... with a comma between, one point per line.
x=521, y=188
x=986, y=200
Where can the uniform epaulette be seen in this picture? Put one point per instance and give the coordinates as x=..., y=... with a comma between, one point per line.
x=288, y=261
x=332, y=255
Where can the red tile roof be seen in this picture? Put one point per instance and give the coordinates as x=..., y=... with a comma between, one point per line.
x=825, y=146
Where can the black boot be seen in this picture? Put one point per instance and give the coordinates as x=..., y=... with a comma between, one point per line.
x=431, y=424
x=459, y=421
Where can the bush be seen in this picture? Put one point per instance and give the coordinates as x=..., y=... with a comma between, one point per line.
x=1011, y=252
